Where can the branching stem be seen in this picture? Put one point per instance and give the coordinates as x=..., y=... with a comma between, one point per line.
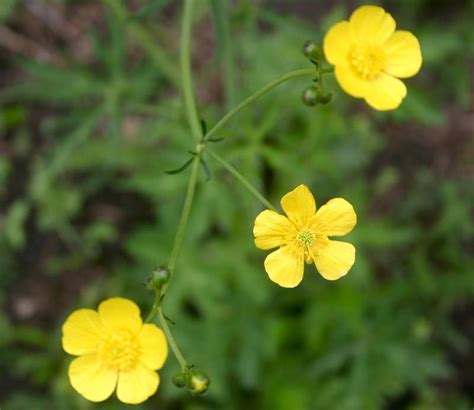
x=249, y=100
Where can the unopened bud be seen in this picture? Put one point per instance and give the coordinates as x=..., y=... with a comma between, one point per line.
x=180, y=379
x=159, y=277
x=312, y=51
x=310, y=96
x=198, y=382
x=323, y=96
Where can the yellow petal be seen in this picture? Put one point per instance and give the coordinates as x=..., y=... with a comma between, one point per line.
x=386, y=93
x=372, y=25
x=336, y=218
x=81, y=332
x=120, y=313
x=154, y=348
x=285, y=266
x=351, y=82
x=137, y=385
x=333, y=259
x=403, y=54
x=337, y=42
x=299, y=205
x=270, y=229
x=92, y=380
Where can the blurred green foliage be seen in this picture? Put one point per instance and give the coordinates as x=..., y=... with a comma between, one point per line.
x=88, y=211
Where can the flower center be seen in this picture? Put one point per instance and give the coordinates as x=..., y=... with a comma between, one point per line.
x=119, y=350
x=367, y=60
x=305, y=237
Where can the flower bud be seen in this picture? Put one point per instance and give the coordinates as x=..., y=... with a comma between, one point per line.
x=312, y=51
x=323, y=96
x=159, y=277
x=180, y=379
x=310, y=96
x=198, y=382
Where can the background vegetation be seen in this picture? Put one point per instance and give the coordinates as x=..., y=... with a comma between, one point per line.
x=91, y=116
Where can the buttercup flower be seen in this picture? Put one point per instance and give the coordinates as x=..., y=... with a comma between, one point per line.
x=115, y=349
x=370, y=56
x=302, y=236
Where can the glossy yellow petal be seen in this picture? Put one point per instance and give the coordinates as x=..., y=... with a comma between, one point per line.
x=333, y=259
x=270, y=229
x=403, y=54
x=91, y=379
x=285, y=266
x=351, y=82
x=336, y=218
x=337, y=42
x=137, y=385
x=120, y=313
x=81, y=332
x=299, y=205
x=386, y=93
x=371, y=25
x=153, y=346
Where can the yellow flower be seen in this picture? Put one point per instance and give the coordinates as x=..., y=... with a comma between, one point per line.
x=303, y=236
x=370, y=56
x=115, y=349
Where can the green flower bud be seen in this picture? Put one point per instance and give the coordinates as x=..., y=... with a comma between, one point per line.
x=180, y=379
x=310, y=96
x=159, y=277
x=312, y=51
x=323, y=96
x=198, y=382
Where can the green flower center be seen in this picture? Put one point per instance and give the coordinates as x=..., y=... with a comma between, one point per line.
x=367, y=60
x=305, y=237
x=118, y=350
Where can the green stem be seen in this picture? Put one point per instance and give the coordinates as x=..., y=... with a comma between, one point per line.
x=171, y=341
x=321, y=72
x=195, y=126
x=249, y=100
x=326, y=70
x=156, y=310
x=241, y=179
x=188, y=201
x=189, y=103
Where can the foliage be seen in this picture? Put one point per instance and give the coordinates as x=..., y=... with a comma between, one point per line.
x=87, y=212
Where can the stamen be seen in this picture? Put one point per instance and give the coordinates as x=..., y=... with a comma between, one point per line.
x=118, y=350
x=305, y=237
x=367, y=60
